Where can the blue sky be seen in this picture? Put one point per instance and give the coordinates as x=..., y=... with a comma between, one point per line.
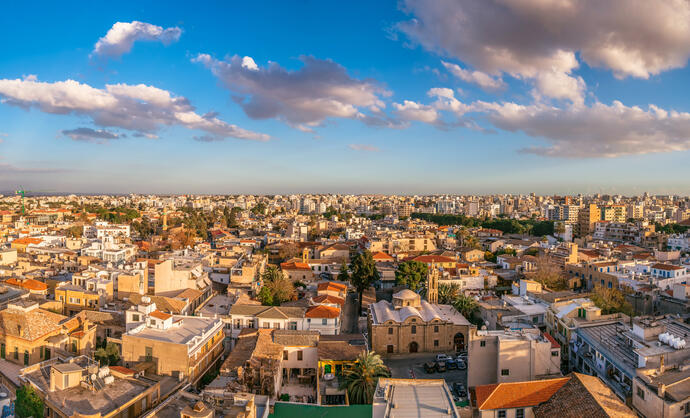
x=348, y=106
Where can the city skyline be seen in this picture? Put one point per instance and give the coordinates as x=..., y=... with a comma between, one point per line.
x=359, y=98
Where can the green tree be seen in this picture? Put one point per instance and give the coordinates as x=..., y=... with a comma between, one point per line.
x=549, y=274
x=276, y=288
x=343, y=275
x=108, y=356
x=28, y=403
x=448, y=293
x=411, y=274
x=466, y=305
x=611, y=300
x=361, y=379
x=363, y=273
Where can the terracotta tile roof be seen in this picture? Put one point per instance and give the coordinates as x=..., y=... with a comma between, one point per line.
x=190, y=294
x=381, y=256
x=660, y=266
x=332, y=286
x=554, y=343
x=122, y=370
x=517, y=394
x=329, y=299
x=583, y=396
x=322, y=311
x=433, y=259
x=27, y=241
x=160, y=315
x=30, y=325
x=29, y=284
x=295, y=266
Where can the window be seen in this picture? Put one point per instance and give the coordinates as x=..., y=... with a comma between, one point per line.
x=414, y=329
x=149, y=353
x=435, y=343
x=16, y=353
x=505, y=372
x=520, y=413
x=390, y=331
x=482, y=343
x=502, y=413
x=435, y=328
x=285, y=355
x=292, y=325
x=389, y=348
x=324, y=321
x=135, y=317
x=640, y=393
x=26, y=358
x=554, y=353
x=299, y=355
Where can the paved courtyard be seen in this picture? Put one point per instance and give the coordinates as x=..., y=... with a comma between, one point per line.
x=412, y=366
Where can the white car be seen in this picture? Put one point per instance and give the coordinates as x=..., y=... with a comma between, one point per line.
x=442, y=357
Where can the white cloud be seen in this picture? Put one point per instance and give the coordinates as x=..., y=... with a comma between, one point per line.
x=121, y=37
x=139, y=108
x=91, y=135
x=303, y=98
x=539, y=40
x=413, y=111
x=363, y=147
x=599, y=130
x=479, y=78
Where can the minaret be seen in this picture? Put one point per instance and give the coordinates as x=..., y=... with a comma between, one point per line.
x=165, y=219
x=432, y=285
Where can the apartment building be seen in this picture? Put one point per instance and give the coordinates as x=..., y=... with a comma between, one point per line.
x=179, y=346
x=511, y=356
x=586, y=218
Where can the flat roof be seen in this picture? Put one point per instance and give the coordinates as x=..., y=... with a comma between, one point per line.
x=190, y=327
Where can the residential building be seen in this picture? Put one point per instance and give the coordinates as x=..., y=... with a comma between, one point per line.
x=413, y=397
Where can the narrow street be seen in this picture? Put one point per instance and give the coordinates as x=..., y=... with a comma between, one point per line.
x=349, y=322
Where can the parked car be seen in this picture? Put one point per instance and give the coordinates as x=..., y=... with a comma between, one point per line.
x=442, y=357
x=459, y=389
x=429, y=367
x=440, y=366
x=452, y=364
x=461, y=365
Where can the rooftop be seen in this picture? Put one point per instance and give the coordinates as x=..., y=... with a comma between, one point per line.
x=183, y=331
x=402, y=398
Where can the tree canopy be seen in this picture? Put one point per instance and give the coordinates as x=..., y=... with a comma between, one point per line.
x=28, y=403
x=276, y=288
x=508, y=226
x=363, y=273
x=411, y=274
x=611, y=300
x=361, y=379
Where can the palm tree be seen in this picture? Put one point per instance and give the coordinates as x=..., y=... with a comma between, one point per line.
x=448, y=293
x=466, y=306
x=361, y=379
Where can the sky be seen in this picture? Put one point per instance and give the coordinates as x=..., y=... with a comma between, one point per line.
x=408, y=97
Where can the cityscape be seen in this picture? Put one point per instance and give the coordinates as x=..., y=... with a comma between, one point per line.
x=391, y=209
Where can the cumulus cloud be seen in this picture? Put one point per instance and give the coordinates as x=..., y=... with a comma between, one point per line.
x=121, y=37
x=413, y=111
x=363, y=147
x=539, y=40
x=479, y=78
x=303, y=98
x=573, y=131
x=90, y=135
x=599, y=130
x=139, y=108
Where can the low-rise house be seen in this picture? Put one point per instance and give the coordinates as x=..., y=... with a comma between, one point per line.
x=413, y=397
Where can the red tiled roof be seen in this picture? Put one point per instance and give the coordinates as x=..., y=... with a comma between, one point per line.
x=433, y=259
x=160, y=315
x=517, y=394
x=660, y=266
x=331, y=286
x=329, y=299
x=381, y=256
x=294, y=266
x=322, y=311
x=554, y=343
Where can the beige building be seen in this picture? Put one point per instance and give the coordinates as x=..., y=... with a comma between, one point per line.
x=586, y=219
x=411, y=325
x=179, y=346
x=511, y=356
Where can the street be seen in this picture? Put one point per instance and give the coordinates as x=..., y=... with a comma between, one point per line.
x=350, y=317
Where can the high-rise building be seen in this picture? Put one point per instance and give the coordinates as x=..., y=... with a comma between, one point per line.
x=586, y=218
